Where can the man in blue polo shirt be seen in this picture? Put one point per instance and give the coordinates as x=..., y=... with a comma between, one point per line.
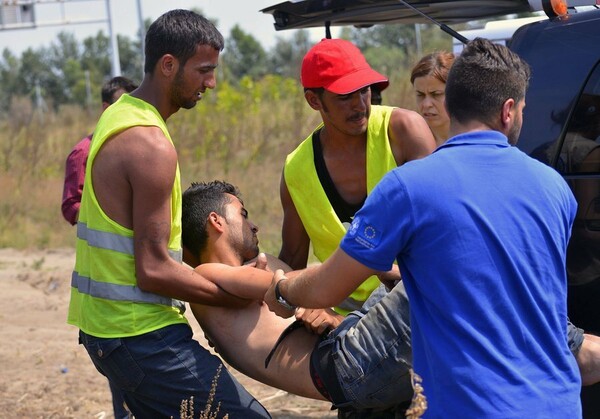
x=480, y=232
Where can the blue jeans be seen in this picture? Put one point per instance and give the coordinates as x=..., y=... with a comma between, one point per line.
x=156, y=371
x=372, y=354
x=118, y=403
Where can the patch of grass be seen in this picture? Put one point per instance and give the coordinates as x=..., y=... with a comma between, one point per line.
x=186, y=410
x=418, y=405
x=240, y=134
x=37, y=264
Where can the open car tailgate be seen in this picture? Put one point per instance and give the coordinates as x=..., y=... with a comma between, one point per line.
x=318, y=13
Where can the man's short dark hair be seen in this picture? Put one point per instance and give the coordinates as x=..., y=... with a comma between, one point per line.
x=179, y=32
x=113, y=85
x=198, y=201
x=482, y=78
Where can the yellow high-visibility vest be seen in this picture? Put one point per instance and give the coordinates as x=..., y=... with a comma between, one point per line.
x=310, y=199
x=105, y=299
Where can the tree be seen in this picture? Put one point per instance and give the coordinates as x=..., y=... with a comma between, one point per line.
x=64, y=48
x=95, y=56
x=286, y=56
x=63, y=54
x=9, y=78
x=75, y=81
x=130, y=57
x=35, y=71
x=243, y=56
x=380, y=36
x=389, y=46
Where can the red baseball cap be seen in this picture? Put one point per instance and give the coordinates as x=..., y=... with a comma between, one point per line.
x=338, y=65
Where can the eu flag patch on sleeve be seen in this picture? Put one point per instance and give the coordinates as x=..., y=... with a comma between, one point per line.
x=364, y=234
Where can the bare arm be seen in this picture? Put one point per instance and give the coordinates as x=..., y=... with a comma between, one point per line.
x=133, y=177
x=242, y=281
x=320, y=286
x=295, y=242
x=74, y=177
x=252, y=283
x=588, y=360
x=410, y=136
x=391, y=277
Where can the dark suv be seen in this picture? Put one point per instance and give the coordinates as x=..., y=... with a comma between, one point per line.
x=561, y=125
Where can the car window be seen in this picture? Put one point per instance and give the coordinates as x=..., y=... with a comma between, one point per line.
x=580, y=152
x=579, y=162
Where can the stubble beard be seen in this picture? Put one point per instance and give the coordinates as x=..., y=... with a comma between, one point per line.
x=178, y=93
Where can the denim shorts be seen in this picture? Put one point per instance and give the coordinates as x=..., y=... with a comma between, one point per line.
x=372, y=355
x=156, y=371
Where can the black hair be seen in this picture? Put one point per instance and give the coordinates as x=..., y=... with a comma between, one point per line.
x=198, y=201
x=179, y=32
x=482, y=78
x=319, y=91
x=113, y=85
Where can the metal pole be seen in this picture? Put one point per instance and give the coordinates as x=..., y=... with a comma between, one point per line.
x=142, y=34
x=418, y=39
x=115, y=64
x=39, y=100
x=88, y=89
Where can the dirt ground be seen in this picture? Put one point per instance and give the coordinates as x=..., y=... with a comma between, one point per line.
x=44, y=373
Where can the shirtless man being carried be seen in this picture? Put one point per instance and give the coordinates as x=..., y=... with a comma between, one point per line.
x=218, y=239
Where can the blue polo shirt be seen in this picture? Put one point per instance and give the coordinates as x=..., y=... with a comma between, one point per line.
x=480, y=231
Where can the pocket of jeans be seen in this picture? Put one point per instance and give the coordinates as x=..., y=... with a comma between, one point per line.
x=386, y=390
x=349, y=369
x=118, y=364
x=376, y=377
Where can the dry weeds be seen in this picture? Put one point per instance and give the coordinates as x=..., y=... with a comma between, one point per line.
x=418, y=406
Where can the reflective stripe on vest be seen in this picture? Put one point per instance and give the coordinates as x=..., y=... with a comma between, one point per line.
x=116, y=292
x=116, y=242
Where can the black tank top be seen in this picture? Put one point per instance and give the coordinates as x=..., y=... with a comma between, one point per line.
x=343, y=209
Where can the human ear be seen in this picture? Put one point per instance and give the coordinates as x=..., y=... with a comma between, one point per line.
x=507, y=116
x=216, y=221
x=168, y=65
x=313, y=100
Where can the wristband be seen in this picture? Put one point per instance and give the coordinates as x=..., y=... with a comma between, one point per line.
x=280, y=298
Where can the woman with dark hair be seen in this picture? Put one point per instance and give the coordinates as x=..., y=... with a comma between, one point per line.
x=428, y=78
